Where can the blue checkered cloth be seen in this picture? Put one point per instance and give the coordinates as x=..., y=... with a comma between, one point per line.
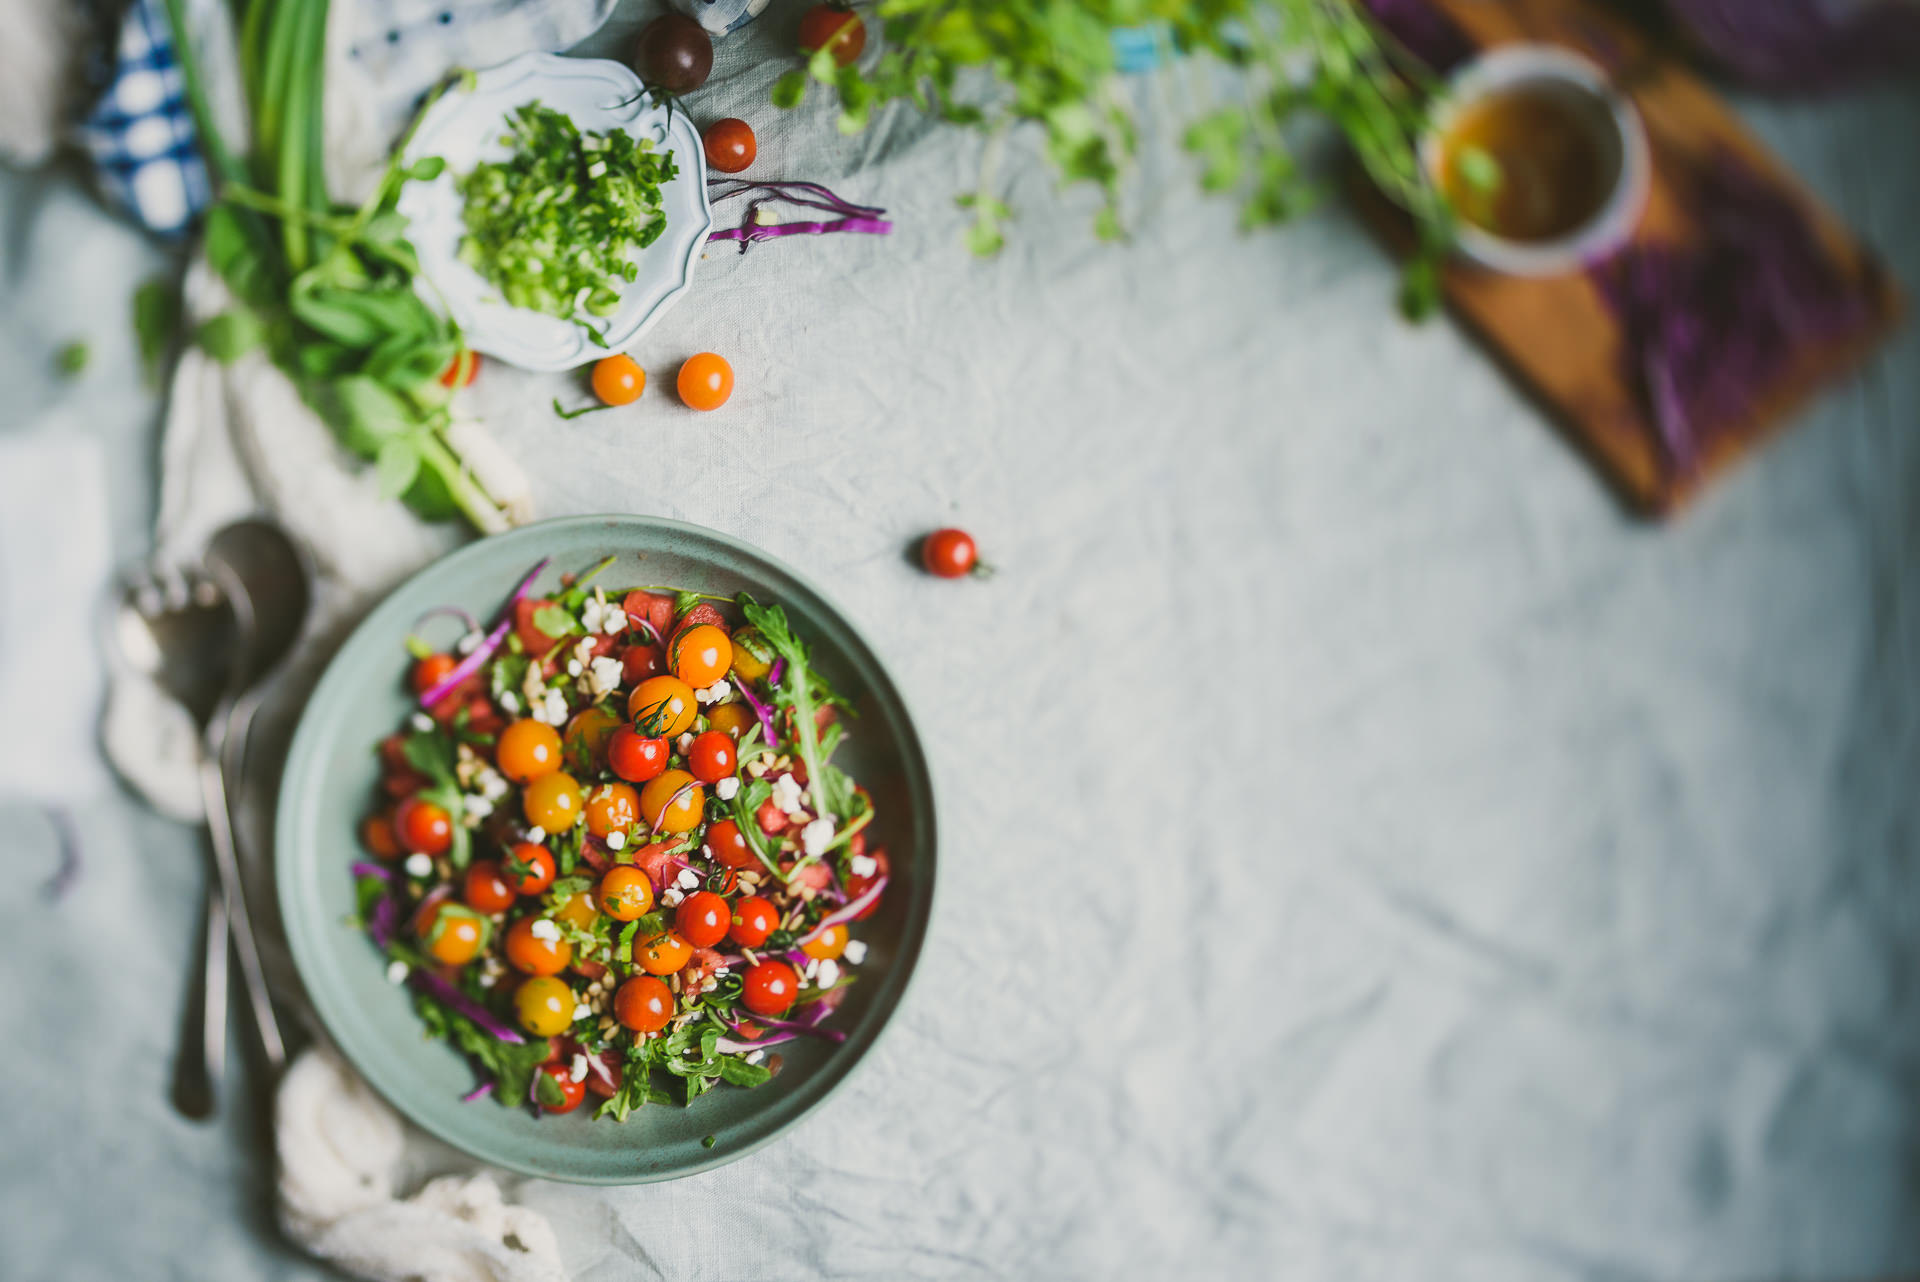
x=140, y=133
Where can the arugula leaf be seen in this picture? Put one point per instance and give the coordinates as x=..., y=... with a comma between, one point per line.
x=547, y=1092
x=737, y=1071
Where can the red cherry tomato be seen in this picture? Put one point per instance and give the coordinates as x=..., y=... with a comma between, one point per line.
x=636, y=757
x=949, y=554
x=559, y=1079
x=376, y=834
x=727, y=846
x=769, y=988
x=705, y=381
x=531, y=637
x=858, y=885
x=710, y=758
x=703, y=919
x=529, y=868
x=730, y=145
x=422, y=827
x=485, y=889
x=831, y=22
x=461, y=369
x=638, y=662
x=431, y=671
x=753, y=920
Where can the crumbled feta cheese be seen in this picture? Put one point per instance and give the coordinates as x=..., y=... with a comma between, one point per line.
x=422, y=722
x=477, y=807
x=582, y=1011
x=397, y=972
x=813, y=965
x=604, y=675
x=470, y=642
x=684, y=742
x=862, y=866
x=574, y=668
x=544, y=928
x=718, y=691
x=616, y=839
x=817, y=836
x=727, y=788
x=601, y=615
x=492, y=785
x=509, y=701
x=552, y=708
x=688, y=879
x=536, y=834
x=754, y=1057
x=786, y=794
x=578, y=1069
x=713, y=982
x=856, y=952
x=672, y=897
x=488, y=979
x=418, y=866
x=829, y=973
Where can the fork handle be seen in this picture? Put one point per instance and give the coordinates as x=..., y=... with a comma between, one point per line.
x=213, y=792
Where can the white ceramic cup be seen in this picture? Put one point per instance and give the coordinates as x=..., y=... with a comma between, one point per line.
x=1621, y=144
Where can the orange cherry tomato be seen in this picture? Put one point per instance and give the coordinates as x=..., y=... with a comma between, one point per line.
x=578, y=911
x=835, y=26
x=732, y=719
x=643, y=1004
x=705, y=382
x=527, y=750
x=553, y=801
x=636, y=757
x=625, y=893
x=700, y=655
x=431, y=671
x=618, y=380
x=727, y=846
x=754, y=919
x=586, y=737
x=545, y=1006
x=529, y=868
x=422, y=827
x=703, y=919
x=533, y=955
x=485, y=888
x=769, y=988
x=377, y=835
x=711, y=756
x=672, y=803
x=612, y=807
x=827, y=944
x=730, y=145
x=662, y=707
x=452, y=933
x=663, y=954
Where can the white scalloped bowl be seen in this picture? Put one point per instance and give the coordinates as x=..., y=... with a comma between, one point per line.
x=465, y=127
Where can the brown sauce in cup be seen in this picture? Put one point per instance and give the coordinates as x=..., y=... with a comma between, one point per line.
x=1525, y=165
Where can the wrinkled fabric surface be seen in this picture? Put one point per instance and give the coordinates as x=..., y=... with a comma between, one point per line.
x=1366, y=853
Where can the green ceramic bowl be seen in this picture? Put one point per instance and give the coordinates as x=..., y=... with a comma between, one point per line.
x=331, y=772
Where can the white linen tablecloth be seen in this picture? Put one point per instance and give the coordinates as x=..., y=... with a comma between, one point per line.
x=1366, y=853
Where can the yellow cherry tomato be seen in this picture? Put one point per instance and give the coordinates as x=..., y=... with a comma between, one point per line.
x=826, y=945
x=732, y=719
x=578, y=911
x=587, y=734
x=700, y=655
x=553, y=802
x=545, y=1006
x=452, y=933
x=612, y=807
x=673, y=802
x=527, y=750
x=662, y=707
x=752, y=656
x=618, y=380
x=626, y=894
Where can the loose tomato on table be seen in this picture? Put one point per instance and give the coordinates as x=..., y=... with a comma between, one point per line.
x=486, y=888
x=674, y=53
x=662, y=706
x=532, y=952
x=636, y=757
x=727, y=846
x=611, y=808
x=526, y=750
x=618, y=380
x=643, y=1004
x=705, y=381
x=553, y=802
x=710, y=758
x=754, y=918
x=769, y=988
x=625, y=893
x=545, y=1005
x=663, y=954
x=700, y=655
x=451, y=933
x=673, y=802
x=422, y=827
x=703, y=919
x=951, y=554
x=836, y=27
x=555, y=1091
x=730, y=145
x=529, y=868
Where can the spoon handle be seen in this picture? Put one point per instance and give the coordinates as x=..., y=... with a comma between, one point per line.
x=213, y=791
x=203, y=1057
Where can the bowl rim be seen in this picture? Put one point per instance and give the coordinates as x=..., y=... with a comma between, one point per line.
x=301, y=930
x=1505, y=67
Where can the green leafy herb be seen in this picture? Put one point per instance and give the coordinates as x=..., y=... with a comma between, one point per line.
x=584, y=409
x=547, y=1092
x=72, y=359
x=156, y=321
x=554, y=620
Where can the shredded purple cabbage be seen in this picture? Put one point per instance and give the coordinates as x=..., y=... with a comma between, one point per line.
x=434, y=986
x=797, y=1027
x=481, y=1091
x=472, y=624
x=732, y=1047
x=384, y=921
x=866, y=899
x=778, y=670
x=365, y=869
x=484, y=651
x=762, y=710
x=850, y=217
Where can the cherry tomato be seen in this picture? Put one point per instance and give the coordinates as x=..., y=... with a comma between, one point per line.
x=732, y=719
x=827, y=944
x=663, y=954
x=422, y=827
x=662, y=706
x=950, y=554
x=635, y=757
x=625, y=893
x=727, y=846
x=730, y=145
x=618, y=380
x=643, y=1004
x=673, y=802
x=705, y=382
x=485, y=889
x=377, y=835
x=831, y=22
x=432, y=670
x=612, y=807
x=858, y=885
x=529, y=953
x=460, y=371
x=570, y=1091
x=700, y=655
x=529, y=868
x=527, y=750
x=532, y=639
x=754, y=919
x=710, y=757
x=578, y=910
x=769, y=988
x=703, y=919
x=752, y=656
x=545, y=1006
x=587, y=735
x=552, y=802
x=674, y=53
x=638, y=662
x=452, y=933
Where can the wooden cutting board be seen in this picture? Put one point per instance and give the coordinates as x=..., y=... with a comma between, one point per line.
x=1562, y=339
